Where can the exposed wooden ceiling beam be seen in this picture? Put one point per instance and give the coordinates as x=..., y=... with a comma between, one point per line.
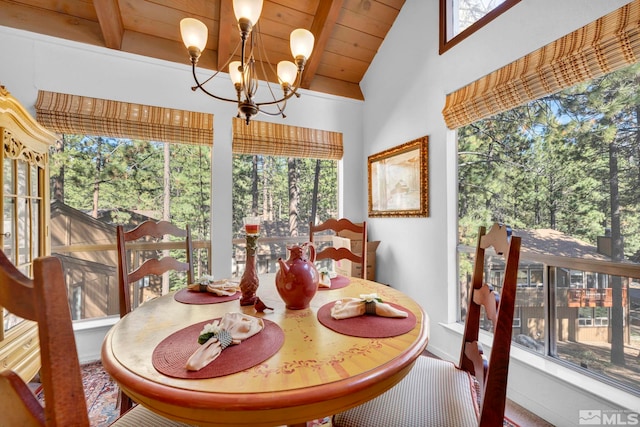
x=227, y=18
x=322, y=27
x=347, y=32
x=108, y=12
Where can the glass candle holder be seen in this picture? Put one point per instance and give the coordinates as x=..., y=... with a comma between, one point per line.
x=252, y=225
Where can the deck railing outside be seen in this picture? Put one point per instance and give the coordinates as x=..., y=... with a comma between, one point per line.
x=584, y=313
x=91, y=270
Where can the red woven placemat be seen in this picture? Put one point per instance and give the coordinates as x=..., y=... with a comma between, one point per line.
x=368, y=326
x=337, y=282
x=171, y=355
x=192, y=297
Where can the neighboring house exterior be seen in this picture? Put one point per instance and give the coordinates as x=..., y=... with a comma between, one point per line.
x=576, y=292
x=86, y=247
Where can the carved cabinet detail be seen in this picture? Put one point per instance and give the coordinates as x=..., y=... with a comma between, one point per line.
x=24, y=232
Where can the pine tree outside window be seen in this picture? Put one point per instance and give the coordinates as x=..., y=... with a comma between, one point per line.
x=108, y=168
x=287, y=176
x=564, y=172
x=548, y=145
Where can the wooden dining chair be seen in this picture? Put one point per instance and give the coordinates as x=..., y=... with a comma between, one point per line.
x=473, y=393
x=44, y=300
x=128, y=275
x=153, y=266
x=337, y=254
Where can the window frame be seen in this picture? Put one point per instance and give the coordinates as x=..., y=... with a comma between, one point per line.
x=578, y=278
x=446, y=14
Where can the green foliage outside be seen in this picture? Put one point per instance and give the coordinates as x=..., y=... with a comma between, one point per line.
x=127, y=176
x=270, y=197
x=122, y=176
x=568, y=162
x=114, y=179
x=548, y=164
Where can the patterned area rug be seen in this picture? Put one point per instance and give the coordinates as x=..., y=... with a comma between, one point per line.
x=102, y=398
x=509, y=423
x=100, y=392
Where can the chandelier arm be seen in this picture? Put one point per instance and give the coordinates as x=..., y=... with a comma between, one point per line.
x=280, y=108
x=292, y=91
x=264, y=59
x=277, y=101
x=250, y=79
x=272, y=113
x=201, y=87
x=264, y=72
x=208, y=79
x=224, y=67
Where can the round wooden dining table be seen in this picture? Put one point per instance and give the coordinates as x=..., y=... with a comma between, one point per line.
x=316, y=372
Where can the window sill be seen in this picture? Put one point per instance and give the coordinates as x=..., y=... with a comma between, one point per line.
x=89, y=334
x=97, y=323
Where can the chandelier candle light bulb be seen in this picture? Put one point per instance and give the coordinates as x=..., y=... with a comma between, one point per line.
x=235, y=72
x=287, y=72
x=194, y=36
x=243, y=73
x=301, y=43
x=247, y=9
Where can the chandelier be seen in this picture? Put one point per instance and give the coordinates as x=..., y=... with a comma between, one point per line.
x=243, y=73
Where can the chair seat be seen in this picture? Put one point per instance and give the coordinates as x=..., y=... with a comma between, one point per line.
x=139, y=416
x=434, y=393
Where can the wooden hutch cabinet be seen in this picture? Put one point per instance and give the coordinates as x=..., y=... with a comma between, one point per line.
x=24, y=233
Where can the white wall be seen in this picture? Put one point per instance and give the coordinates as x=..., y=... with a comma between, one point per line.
x=418, y=255
x=31, y=62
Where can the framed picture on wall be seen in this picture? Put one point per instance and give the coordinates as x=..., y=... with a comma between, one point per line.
x=399, y=181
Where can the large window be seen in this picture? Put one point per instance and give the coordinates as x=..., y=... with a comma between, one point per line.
x=286, y=193
x=100, y=182
x=108, y=170
x=564, y=172
x=287, y=176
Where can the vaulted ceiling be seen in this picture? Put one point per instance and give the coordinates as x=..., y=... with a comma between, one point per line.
x=348, y=33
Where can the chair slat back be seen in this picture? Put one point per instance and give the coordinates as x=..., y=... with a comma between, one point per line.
x=43, y=299
x=153, y=266
x=337, y=254
x=492, y=376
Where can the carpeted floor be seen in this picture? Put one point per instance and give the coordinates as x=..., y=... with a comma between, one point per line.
x=102, y=398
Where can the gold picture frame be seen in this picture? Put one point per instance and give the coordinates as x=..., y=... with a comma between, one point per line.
x=399, y=180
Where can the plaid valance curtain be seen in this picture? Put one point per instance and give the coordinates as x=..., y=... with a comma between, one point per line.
x=605, y=45
x=272, y=139
x=72, y=114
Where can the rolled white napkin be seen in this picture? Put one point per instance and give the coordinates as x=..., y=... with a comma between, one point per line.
x=325, y=277
x=325, y=280
x=232, y=329
x=352, y=307
x=220, y=287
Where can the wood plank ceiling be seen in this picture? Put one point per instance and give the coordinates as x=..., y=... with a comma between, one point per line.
x=348, y=32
